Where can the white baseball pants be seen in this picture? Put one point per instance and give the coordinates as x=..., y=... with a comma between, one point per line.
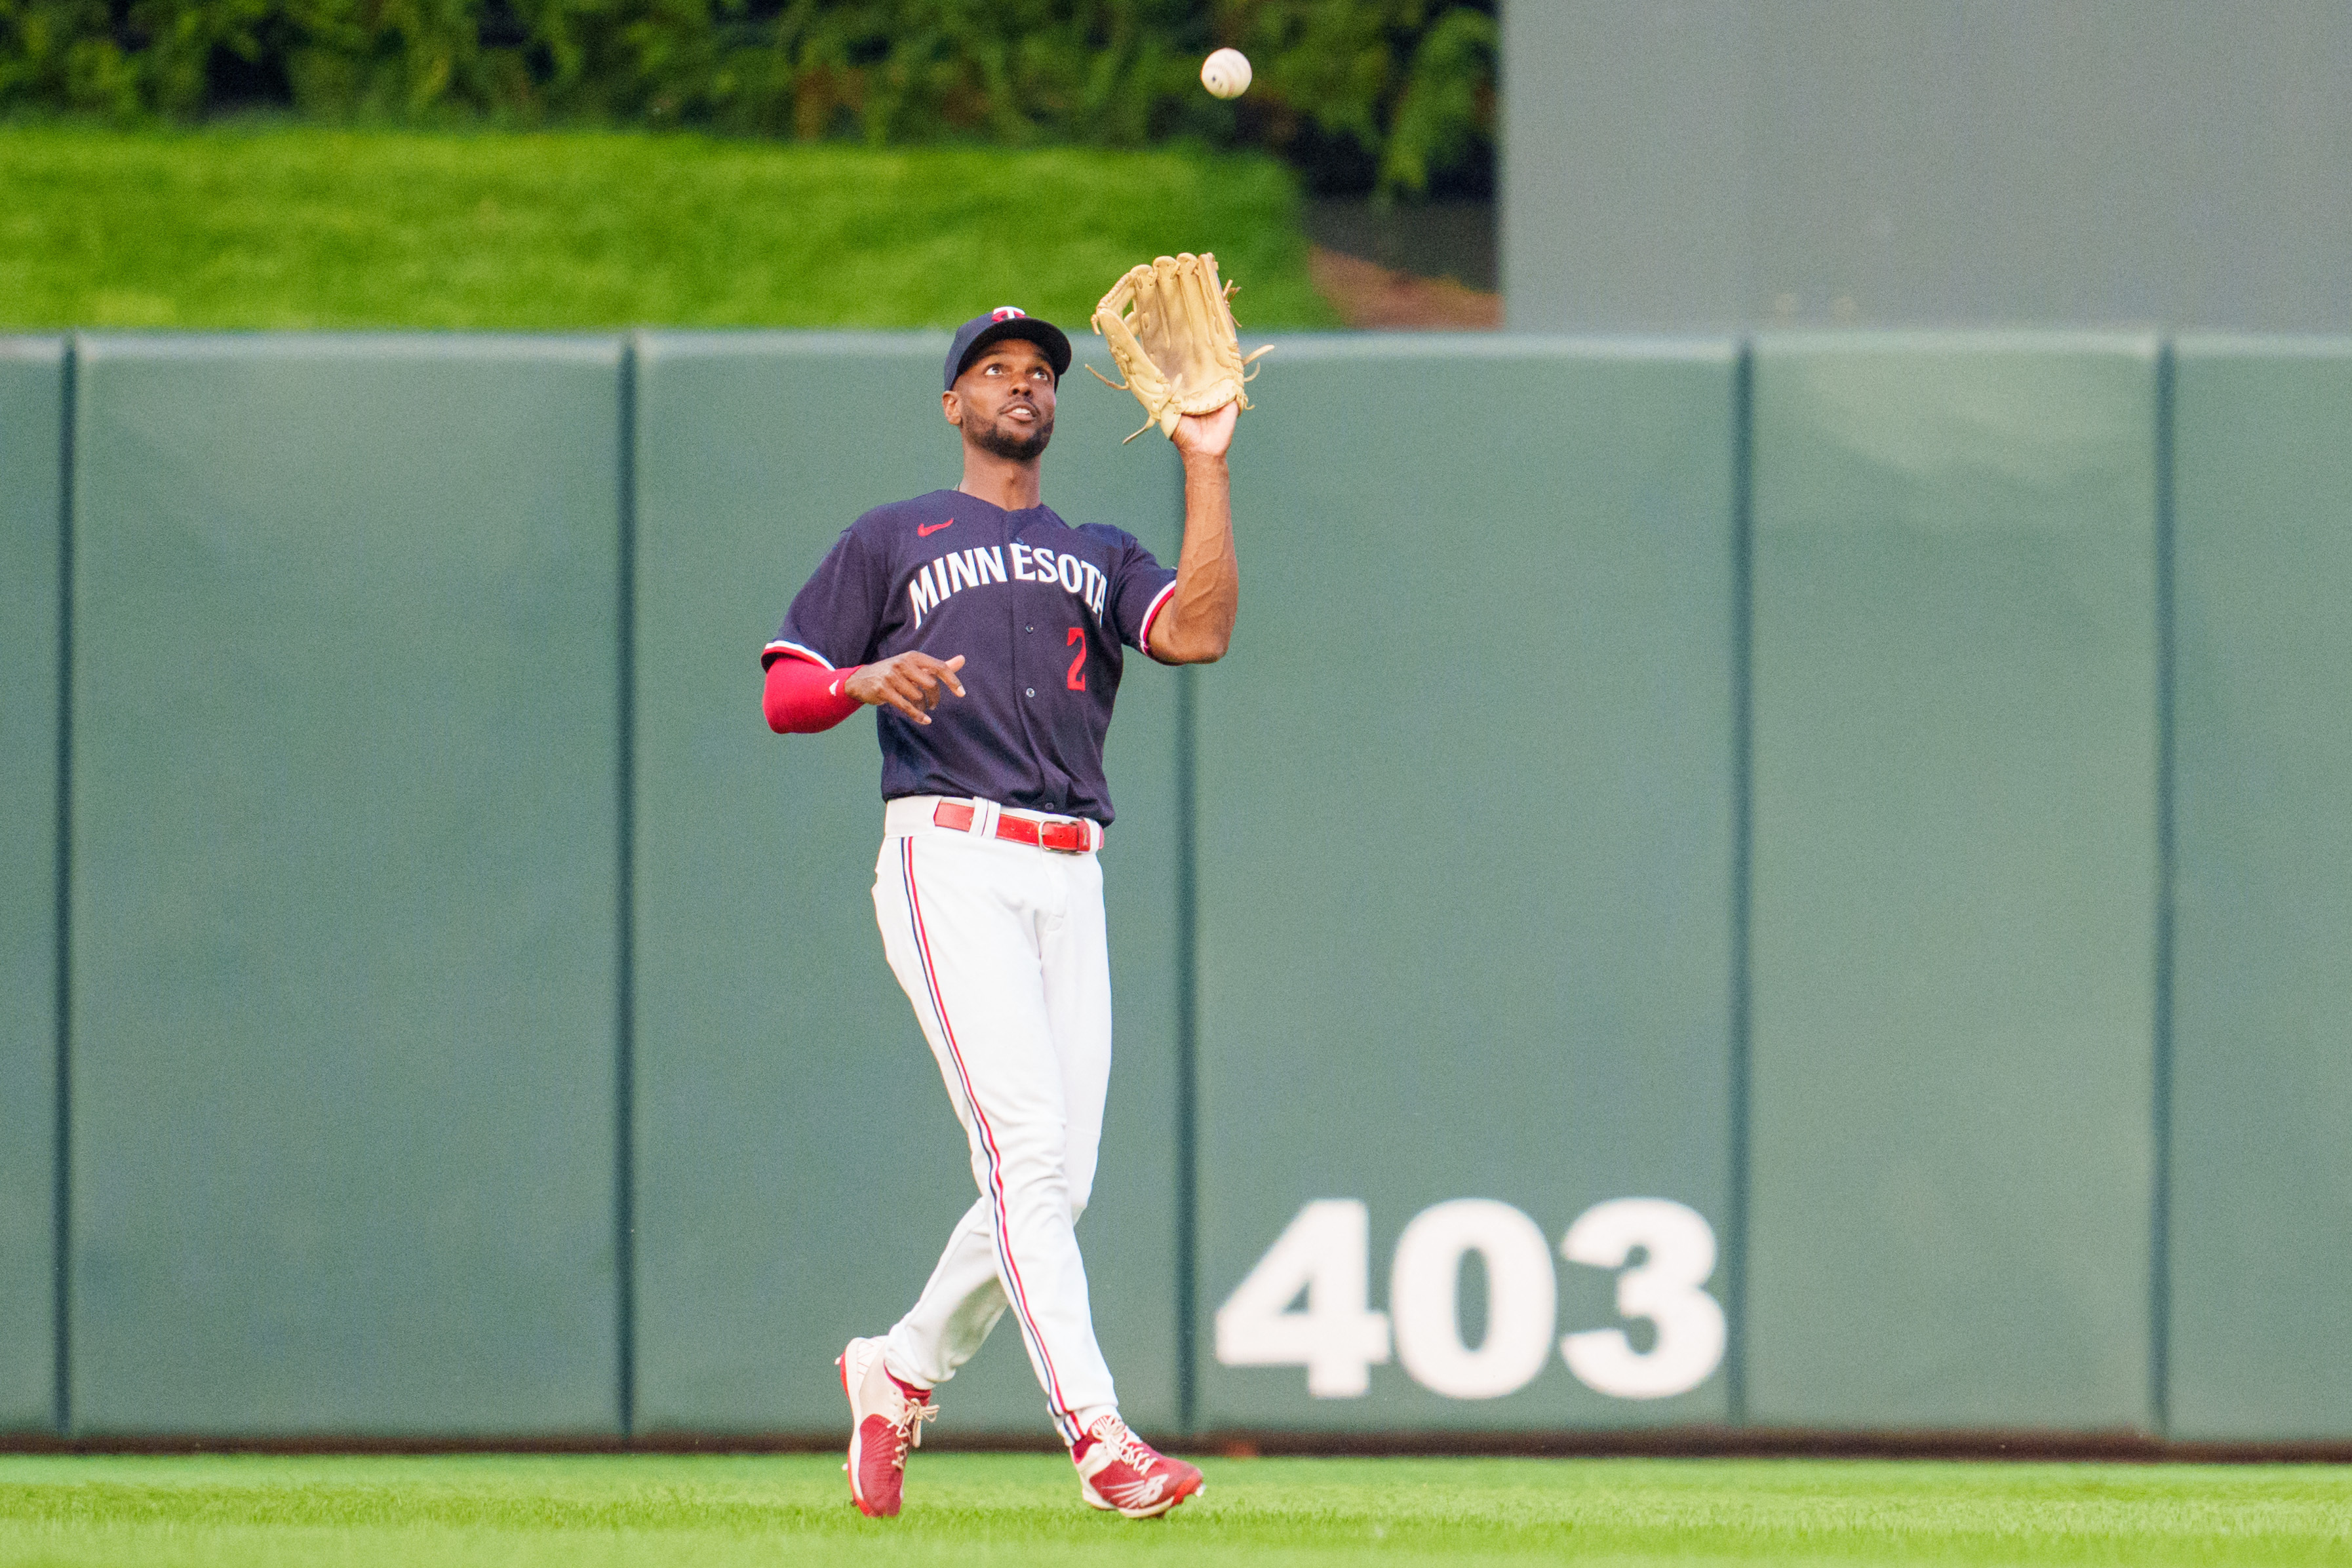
x=1002, y=950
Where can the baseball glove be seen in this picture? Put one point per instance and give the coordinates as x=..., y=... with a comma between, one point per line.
x=1171, y=331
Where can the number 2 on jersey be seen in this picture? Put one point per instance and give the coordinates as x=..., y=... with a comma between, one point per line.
x=1077, y=678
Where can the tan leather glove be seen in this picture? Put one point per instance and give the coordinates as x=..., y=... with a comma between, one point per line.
x=1172, y=333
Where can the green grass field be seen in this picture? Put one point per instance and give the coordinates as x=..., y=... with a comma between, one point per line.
x=1023, y=1510
x=283, y=225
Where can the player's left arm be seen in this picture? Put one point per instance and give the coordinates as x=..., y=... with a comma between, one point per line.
x=1197, y=626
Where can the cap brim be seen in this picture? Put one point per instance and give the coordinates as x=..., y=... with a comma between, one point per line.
x=1044, y=334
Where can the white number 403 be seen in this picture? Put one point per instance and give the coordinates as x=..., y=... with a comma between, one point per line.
x=1325, y=1256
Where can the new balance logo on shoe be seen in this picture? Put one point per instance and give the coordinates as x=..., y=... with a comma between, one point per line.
x=1133, y=1494
x=1119, y=1471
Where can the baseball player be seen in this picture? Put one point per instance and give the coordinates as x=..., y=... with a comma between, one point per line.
x=988, y=634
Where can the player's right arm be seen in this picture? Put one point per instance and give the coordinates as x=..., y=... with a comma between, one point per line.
x=910, y=683
x=818, y=666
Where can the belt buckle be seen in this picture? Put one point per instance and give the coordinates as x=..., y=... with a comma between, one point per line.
x=1072, y=836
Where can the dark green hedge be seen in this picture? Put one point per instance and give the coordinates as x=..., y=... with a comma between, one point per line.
x=1395, y=94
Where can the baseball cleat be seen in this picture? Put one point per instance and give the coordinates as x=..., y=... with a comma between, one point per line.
x=885, y=1419
x=1119, y=1472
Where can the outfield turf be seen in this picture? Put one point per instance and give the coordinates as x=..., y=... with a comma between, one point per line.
x=520, y=1511
x=288, y=225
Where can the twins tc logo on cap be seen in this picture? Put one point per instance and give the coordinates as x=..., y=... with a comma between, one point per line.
x=1005, y=322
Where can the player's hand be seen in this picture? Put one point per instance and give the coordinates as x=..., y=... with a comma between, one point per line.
x=1207, y=435
x=910, y=683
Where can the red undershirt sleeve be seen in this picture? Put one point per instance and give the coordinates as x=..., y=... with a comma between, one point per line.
x=801, y=698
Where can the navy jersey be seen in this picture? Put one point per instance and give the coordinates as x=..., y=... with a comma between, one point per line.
x=1038, y=609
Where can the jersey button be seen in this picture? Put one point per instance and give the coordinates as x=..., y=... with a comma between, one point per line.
x=1032, y=628
x=1033, y=691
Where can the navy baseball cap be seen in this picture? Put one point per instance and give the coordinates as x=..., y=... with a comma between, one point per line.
x=1006, y=321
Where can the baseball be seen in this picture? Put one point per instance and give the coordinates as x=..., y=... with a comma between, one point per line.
x=1226, y=73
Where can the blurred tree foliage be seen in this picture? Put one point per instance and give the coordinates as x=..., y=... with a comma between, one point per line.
x=1393, y=96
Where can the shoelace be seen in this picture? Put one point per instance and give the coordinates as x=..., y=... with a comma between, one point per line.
x=911, y=1430
x=1132, y=1448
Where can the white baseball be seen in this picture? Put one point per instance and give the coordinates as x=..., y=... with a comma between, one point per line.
x=1226, y=73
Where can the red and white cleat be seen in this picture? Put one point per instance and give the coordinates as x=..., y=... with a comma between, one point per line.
x=1118, y=1470
x=885, y=1419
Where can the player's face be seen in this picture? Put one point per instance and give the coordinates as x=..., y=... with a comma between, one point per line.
x=1004, y=400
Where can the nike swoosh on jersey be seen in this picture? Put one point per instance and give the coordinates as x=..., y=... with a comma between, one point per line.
x=924, y=531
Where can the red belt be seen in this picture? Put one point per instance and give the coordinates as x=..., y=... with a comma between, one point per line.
x=1062, y=838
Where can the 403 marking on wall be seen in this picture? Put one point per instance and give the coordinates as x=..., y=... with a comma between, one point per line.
x=1324, y=1256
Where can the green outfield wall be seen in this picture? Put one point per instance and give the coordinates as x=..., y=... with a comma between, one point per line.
x=345, y=872
x=1793, y=882
x=32, y=479
x=1956, y=882
x=2261, y=1175
x=1466, y=868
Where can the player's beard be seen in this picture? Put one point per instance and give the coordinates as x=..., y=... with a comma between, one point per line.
x=1006, y=442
